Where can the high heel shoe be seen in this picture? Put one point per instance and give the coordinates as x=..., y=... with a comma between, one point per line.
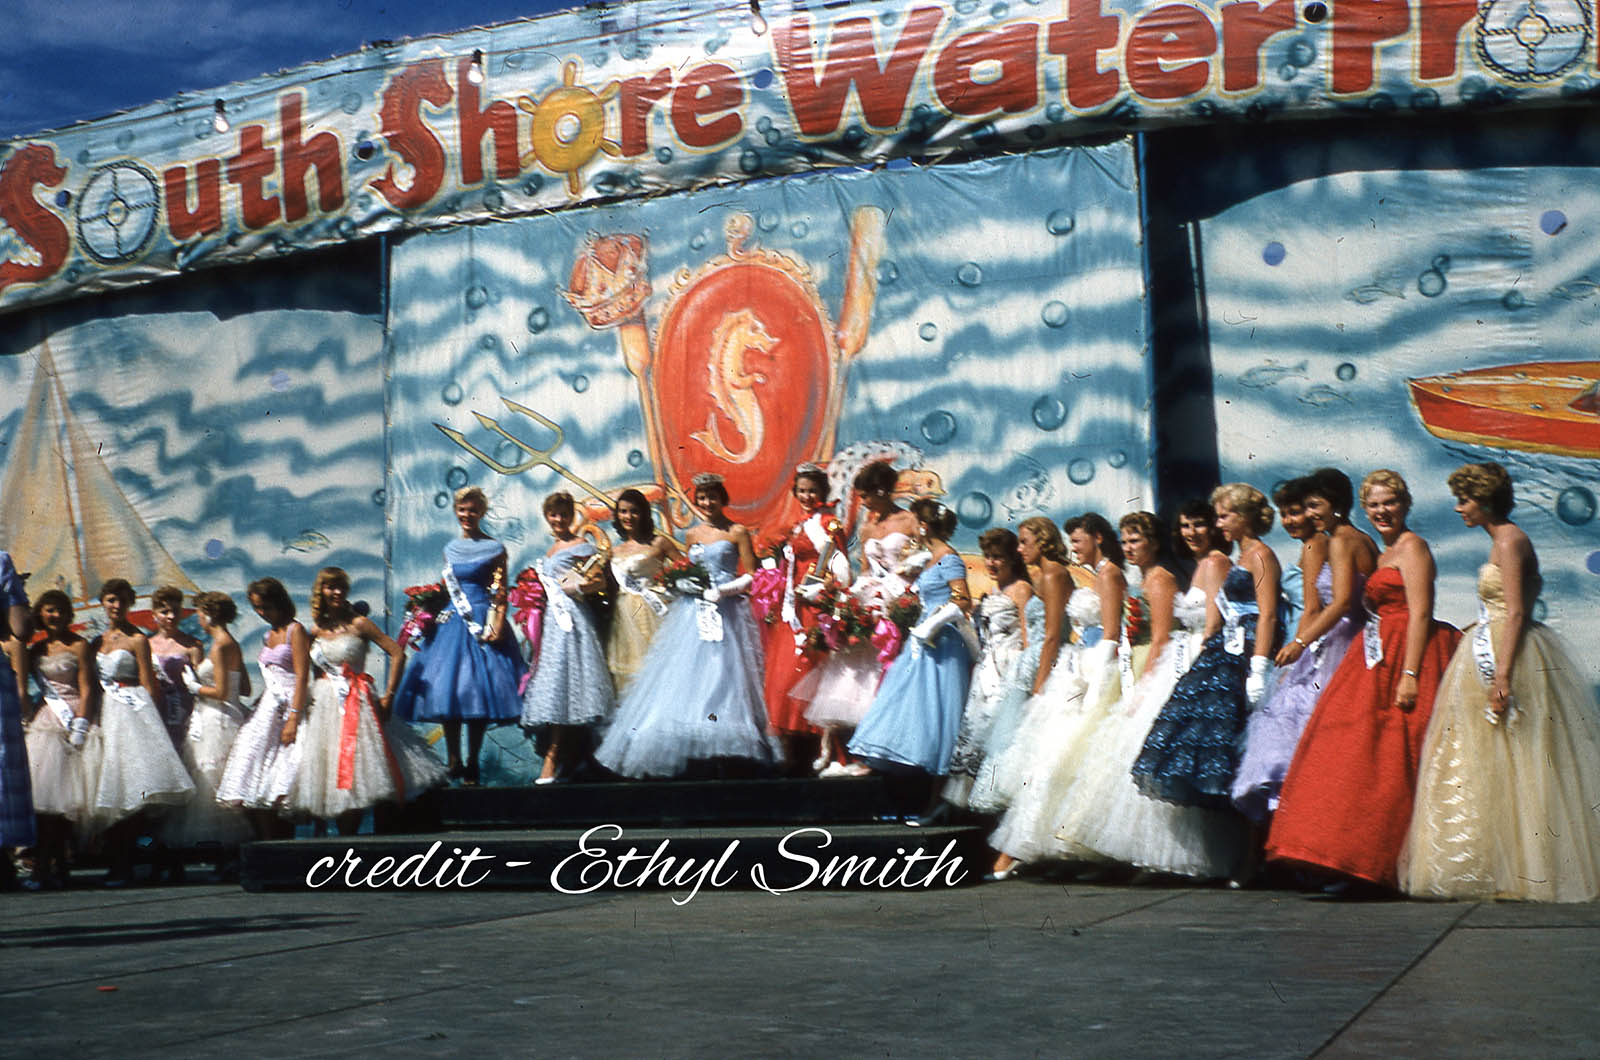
x=1002, y=875
x=936, y=816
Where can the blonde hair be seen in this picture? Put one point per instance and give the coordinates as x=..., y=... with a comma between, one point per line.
x=1389, y=480
x=1244, y=499
x=1487, y=483
x=473, y=493
x=325, y=577
x=1045, y=532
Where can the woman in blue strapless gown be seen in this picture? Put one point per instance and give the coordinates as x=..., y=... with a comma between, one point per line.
x=571, y=685
x=469, y=671
x=1191, y=754
x=916, y=715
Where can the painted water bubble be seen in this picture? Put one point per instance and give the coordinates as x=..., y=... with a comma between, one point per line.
x=456, y=477
x=1592, y=563
x=1552, y=222
x=1049, y=412
x=767, y=220
x=1575, y=505
x=928, y=331
x=969, y=275
x=999, y=10
x=1345, y=372
x=799, y=229
x=1055, y=113
x=773, y=137
x=975, y=509
x=1431, y=282
x=1288, y=72
x=763, y=124
x=441, y=499
x=663, y=155
x=888, y=271
x=380, y=497
x=1274, y=253
x=750, y=160
x=939, y=427
x=635, y=458
x=488, y=342
x=1513, y=300
x=1080, y=471
x=538, y=319
x=1060, y=222
x=532, y=185
x=214, y=549
x=493, y=200
x=1054, y=314
x=477, y=296
x=580, y=382
x=697, y=241
x=451, y=394
x=279, y=380
x=762, y=78
x=346, y=228
x=1302, y=52
x=1117, y=458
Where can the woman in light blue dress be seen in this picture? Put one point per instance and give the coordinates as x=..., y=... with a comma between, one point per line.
x=915, y=717
x=571, y=686
x=698, y=694
x=469, y=670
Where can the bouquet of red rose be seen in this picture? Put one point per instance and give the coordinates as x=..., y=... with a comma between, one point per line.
x=684, y=577
x=424, y=604
x=904, y=610
x=1137, y=626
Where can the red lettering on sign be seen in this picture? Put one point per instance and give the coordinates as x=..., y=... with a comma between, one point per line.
x=401, y=124
x=705, y=92
x=1358, y=26
x=1245, y=28
x=32, y=223
x=1440, y=23
x=206, y=216
x=966, y=79
x=638, y=97
x=1169, y=49
x=475, y=121
x=818, y=97
x=320, y=152
x=248, y=169
x=1079, y=39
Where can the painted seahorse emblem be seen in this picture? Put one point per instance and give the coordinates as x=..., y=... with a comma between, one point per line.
x=733, y=385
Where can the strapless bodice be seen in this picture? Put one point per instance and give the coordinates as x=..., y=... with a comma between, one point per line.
x=59, y=672
x=884, y=553
x=340, y=650
x=719, y=558
x=1189, y=609
x=120, y=666
x=1386, y=592
x=998, y=615
x=1083, y=611
x=635, y=572
x=1492, y=590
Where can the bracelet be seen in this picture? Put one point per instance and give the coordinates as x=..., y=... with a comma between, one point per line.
x=1408, y=673
x=1302, y=643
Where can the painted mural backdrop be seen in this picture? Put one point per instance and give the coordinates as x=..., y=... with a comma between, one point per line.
x=981, y=325
x=1429, y=317
x=203, y=436
x=630, y=100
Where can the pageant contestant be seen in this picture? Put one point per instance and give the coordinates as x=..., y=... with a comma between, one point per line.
x=1346, y=801
x=638, y=557
x=173, y=653
x=63, y=750
x=1317, y=648
x=913, y=720
x=1510, y=776
x=697, y=696
x=354, y=754
x=218, y=688
x=265, y=757
x=1104, y=815
x=1191, y=753
x=813, y=551
x=839, y=691
x=1004, y=635
x=1039, y=542
x=17, y=828
x=139, y=769
x=468, y=671
x=570, y=687
x=1049, y=749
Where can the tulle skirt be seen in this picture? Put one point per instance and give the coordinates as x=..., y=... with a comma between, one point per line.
x=213, y=726
x=63, y=778
x=260, y=767
x=1509, y=810
x=138, y=766
x=634, y=624
x=1004, y=756
x=341, y=771
x=693, y=699
x=838, y=692
x=992, y=684
x=1105, y=816
x=570, y=683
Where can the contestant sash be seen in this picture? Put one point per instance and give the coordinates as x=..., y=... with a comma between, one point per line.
x=459, y=601
x=358, y=694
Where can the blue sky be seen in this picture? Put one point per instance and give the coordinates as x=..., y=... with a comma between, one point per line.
x=72, y=60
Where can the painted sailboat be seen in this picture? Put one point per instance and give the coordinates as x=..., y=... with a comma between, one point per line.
x=1541, y=406
x=64, y=519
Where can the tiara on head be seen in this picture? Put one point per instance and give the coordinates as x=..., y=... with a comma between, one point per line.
x=706, y=478
x=808, y=468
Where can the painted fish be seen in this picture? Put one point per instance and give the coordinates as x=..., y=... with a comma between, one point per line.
x=1270, y=373
x=1380, y=287
x=1575, y=290
x=1322, y=395
x=307, y=541
x=1032, y=494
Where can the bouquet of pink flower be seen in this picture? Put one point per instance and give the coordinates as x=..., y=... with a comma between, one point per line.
x=527, y=596
x=424, y=604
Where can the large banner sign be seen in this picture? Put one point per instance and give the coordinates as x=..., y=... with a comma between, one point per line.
x=609, y=103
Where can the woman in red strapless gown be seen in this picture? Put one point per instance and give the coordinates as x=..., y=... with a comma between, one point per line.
x=1346, y=802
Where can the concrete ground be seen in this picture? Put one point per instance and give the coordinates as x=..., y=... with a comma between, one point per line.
x=1025, y=968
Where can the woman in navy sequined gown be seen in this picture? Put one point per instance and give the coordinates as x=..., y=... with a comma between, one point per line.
x=469, y=670
x=1191, y=753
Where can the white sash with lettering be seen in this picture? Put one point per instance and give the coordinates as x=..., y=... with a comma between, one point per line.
x=1372, y=641
x=556, y=599
x=63, y=712
x=459, y=601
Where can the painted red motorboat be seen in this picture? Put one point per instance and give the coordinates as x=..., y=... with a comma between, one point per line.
x=1542, y=406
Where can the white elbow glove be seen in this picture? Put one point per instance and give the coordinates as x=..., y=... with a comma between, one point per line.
x=731, y=587
x=1255, y=686
x=809, y=591
x=78, y=732
x=191, y=680
x=933, y=623
x=908, y=567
